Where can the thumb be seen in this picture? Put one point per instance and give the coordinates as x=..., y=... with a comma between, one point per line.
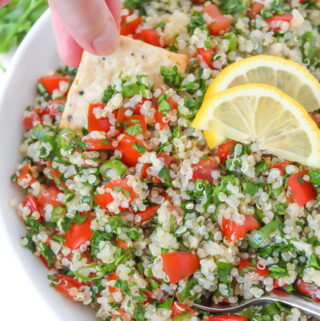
x=90, y=23
x=4, y=2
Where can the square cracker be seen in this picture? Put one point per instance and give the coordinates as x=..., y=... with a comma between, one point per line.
x=95, y=73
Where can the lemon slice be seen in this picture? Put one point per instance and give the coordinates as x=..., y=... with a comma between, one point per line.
x=288, y=76
x=263, y=114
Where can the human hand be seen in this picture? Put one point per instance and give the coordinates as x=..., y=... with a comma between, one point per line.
x=82, y=24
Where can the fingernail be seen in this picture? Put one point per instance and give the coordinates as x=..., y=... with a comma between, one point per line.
x=107, y=40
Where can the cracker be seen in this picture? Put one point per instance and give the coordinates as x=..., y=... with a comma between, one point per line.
x=95, y=73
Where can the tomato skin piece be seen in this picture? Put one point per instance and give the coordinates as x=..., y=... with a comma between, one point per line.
x=179, y=308
x=102, y=124
x=281, y=166
x=130, y=155
x=224, y=150
x=180, y=265
x=49, y=196
x=129, y=28
x=50, y=83
x=65, y=284
x=233, y=232
x=244, y=263
x=148, y=214
x=203, y=169
x=255, y=8
x=226, y=318
x=302, y=192
x=273, y=22
x=105, y=199
x=221, y=23
x=78, y=234
x=308, y=289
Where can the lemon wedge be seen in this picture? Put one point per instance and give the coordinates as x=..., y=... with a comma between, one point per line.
x=263, y=114
x=288, y=76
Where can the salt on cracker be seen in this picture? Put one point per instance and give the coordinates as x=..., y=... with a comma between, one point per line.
x=95, y=73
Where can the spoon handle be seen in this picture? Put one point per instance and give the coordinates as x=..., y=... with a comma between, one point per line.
x=300, y=302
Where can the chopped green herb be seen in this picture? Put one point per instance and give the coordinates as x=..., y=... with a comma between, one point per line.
x=163, y=105
x=139, y=148
x=172, y=77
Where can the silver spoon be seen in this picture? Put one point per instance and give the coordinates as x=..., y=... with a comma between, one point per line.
x=295, y=301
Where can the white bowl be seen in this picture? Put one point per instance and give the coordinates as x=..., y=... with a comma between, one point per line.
x=36, y=55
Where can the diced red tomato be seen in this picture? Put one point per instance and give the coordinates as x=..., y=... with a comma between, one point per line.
x=221, y=23
x=49, y=196
x=127, y=145
x=225, y=149
x=255, y=8
x=276, y=284
x=203, y=169
x=303, y=1
x=302, y=191
x=160, y=118
x=244, y=263
x=148, y=214
x=179, y=308
x=78, y=234
x=121, y=116
x=180, y=265
x=30, y=202
x=112, y=277
x=281, y=166
x=233, y=232
x=121, y=244
x=129, y=28
x=308, y=289
x=45, y=262
x=132, y=120
x=93, y=144
x=65, y=284
x=275, y=22
x=105, y=199
x=166, y=158
x=101, y=124
x=26, y=176
x=150, y=36
x=207, y=56
x=31, y=119
x=50, y=83
x=226, y=318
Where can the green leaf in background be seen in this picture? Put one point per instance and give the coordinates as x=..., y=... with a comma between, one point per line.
x=16, y=19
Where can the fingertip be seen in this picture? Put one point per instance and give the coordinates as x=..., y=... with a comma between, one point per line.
x=107, y=40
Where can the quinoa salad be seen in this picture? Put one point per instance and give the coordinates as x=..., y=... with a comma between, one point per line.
x=135, y=216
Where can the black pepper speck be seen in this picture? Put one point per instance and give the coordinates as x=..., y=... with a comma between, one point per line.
x=70, y=118
x=81, y=92
x=103, y=58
